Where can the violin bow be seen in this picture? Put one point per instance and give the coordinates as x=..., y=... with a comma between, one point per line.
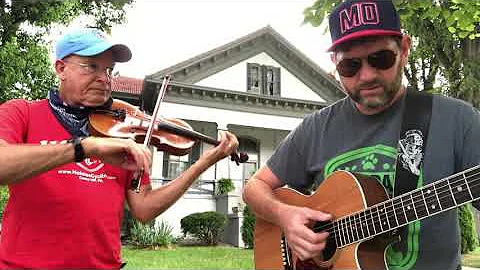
x=148, y=136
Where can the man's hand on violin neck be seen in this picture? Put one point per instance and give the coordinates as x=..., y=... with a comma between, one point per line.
x=125, y=153
x=228, y=145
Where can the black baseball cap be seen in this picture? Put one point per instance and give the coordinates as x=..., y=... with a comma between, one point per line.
x=362, y=18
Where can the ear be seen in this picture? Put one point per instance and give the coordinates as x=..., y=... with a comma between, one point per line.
x=333, y=58
x=406, y=43
x=60, y=69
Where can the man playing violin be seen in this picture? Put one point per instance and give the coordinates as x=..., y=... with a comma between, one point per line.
x=67, y=189
x=360, y=133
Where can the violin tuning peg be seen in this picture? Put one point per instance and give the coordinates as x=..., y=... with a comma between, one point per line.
x=243, y=157
x=234, y=157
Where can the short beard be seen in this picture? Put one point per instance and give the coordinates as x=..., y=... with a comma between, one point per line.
x=389, y=93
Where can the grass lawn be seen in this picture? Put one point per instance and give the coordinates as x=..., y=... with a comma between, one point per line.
x=189, y=258
x=472, y=259
x=213, y=258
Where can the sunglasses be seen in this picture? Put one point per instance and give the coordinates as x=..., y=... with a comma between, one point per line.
x=383, y=60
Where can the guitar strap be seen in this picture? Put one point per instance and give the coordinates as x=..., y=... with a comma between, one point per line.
x=412, y=141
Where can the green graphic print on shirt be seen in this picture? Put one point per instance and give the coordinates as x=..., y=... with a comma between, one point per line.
x=379, y=161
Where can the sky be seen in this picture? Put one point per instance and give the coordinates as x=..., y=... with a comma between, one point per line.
x=162, y=33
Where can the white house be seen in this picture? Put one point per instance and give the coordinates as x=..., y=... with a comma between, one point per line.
x=258, y=87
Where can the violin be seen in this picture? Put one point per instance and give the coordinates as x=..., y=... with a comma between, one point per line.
x=170, y=135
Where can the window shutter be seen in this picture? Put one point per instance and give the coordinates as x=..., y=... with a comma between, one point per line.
x=276, y=82
x=263, y=80
x=166, y=157
x=195, y=154
x=254, y=78
x=249, y=76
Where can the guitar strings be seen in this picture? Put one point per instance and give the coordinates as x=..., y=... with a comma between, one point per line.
x=350, y=237
x=400, y=202
x=435, y=197
x=376, y=207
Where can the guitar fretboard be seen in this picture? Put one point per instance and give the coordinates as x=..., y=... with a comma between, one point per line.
x=427, y=201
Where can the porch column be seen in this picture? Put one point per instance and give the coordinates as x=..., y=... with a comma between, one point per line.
x=222, y=167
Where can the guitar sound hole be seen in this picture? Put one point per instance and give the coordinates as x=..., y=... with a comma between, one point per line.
x=327, y=253
x=331, y=246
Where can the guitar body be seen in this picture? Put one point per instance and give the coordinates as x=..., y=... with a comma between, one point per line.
x=340, y=194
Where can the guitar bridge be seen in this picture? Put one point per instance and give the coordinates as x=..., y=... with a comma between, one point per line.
x=286, y=254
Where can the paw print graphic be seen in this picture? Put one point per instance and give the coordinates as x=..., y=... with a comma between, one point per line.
x=369, y=162
x=350, y=169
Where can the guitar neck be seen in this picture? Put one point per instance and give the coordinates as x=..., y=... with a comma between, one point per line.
x=432, y=199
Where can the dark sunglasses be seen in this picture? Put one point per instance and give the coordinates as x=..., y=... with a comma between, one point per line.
x=383, y=60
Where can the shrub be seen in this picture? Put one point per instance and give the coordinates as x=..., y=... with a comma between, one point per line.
x=248, y=227
x=205, y=226
x=225, y=185
x=468, y=230
x=3, y=199
x=127, y=225
x=147, y=235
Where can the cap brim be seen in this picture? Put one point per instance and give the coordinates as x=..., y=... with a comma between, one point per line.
x=121, y=53
x=365, y=33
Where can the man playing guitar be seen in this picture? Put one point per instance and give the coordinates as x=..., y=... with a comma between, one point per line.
x=360, y=134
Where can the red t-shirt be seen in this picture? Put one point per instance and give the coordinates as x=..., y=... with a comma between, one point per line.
x=68, y=217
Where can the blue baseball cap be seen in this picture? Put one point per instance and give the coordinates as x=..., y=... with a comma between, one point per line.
x=89, y=42
x=354, y=19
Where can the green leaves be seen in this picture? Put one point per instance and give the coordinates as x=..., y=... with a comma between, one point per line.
x=3, y=199
x=248, y=227
x=318, y=12
x=25, y=70
x=224, y=185
x=148, y=235
x=469, y=239
x=461, y=17
x=205, y=226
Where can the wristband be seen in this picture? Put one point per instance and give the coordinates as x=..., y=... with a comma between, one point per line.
x=77, y=146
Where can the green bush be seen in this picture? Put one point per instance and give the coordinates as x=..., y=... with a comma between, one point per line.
x=147, y=235
x=468, y=229
x=225, y=185
x=127, y=224
x=248, y=227
x=3, y=199
x=205, y=226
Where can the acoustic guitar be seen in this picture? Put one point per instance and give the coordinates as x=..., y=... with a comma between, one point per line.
x=365, y=219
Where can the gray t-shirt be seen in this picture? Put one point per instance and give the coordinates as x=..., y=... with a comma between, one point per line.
x=339, y=137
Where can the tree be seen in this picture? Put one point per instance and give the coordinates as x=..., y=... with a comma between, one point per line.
x=445, y=43
x=25, y=66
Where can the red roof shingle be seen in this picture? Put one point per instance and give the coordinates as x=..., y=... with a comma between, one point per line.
x=127, y=85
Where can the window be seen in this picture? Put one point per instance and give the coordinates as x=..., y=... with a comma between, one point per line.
x=250, y=147
x=249, y=168
x=173, y=166
x=262, y=79
x=270, y=82
x=176, y=165
x=254, y=77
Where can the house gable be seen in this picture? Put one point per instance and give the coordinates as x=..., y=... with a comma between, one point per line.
x=265, y=40
x=234, y=78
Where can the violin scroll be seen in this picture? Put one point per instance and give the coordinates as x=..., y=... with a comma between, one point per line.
x=239, y=157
